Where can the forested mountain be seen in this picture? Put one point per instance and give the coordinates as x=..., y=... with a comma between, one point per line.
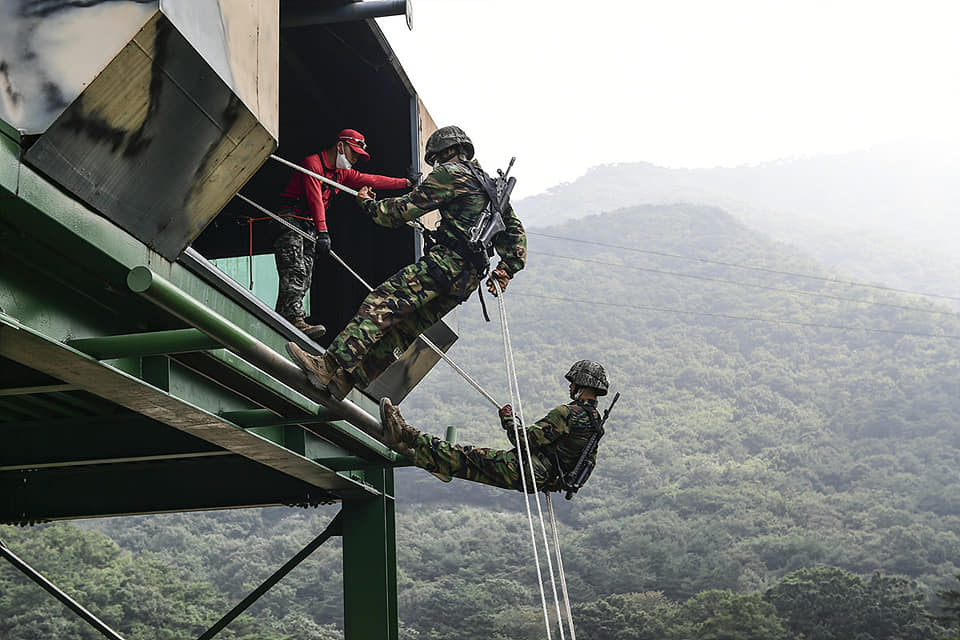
x=887, y=215
x=784, y=463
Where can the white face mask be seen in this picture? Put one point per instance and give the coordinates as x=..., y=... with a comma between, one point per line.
x=342, y=162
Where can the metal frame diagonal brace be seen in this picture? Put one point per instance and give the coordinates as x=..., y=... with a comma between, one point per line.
x=52, y=589
x=335, y=528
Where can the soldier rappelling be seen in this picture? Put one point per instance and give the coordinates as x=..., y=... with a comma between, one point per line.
x=563, y=443
x=395, y=313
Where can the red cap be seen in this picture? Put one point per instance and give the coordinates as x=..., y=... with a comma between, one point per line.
x=356, y=141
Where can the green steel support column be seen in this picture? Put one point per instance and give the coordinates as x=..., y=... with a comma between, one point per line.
x=370, y=562
x=155, y=343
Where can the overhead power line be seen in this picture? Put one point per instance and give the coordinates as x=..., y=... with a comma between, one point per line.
x=800, y=292
x=745, y=266
x=726, y=316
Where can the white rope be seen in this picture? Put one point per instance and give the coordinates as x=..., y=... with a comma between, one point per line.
x=515, y=398
x=517, y=423
x=518, y=420
x=563, y=576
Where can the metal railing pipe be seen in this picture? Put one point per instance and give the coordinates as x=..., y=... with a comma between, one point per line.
x=154, y=343
x=144, y=281
x=301, y=15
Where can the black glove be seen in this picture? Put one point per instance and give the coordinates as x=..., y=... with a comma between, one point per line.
x=322, y=243
x=414, y=177
x=506, y=417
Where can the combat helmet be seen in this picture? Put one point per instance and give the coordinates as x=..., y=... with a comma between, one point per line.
x=444, y=138
x=587, y=373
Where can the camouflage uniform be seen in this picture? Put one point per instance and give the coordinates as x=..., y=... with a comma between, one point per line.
x=558, y=437
x=395, y=313
x=294, y=256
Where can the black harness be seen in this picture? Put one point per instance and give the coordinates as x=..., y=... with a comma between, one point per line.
x=476, y=256
x=572, y=480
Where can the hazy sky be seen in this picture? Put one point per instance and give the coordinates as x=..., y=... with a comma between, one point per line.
x=568, y=85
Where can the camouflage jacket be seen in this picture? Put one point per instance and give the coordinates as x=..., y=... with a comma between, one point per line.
x=562, y=433
x=453, y=190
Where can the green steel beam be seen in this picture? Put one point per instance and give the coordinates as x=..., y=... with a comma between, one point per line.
x=154, y=343
x=104, y=461
x=267, y=418
x=46, y=388
x=344, y=463
x=334, y=426
x=370, y=562
x=161, y=292
x=56, y=359
x=263, y=379
x=185, y=484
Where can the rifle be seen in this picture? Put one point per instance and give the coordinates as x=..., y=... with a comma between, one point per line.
x=490, y=222
x=575, y=479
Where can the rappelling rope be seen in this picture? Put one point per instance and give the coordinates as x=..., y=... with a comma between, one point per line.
x=515, y=402
x=512, y=380
x=517, y=428
x=560, y=572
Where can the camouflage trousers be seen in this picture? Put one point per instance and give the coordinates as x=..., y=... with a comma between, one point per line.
x=294, y=257
x=395, y=313
x=497, y=467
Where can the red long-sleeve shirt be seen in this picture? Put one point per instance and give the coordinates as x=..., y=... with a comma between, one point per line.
x=317, y=194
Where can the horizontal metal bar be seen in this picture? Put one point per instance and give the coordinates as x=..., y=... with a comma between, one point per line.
x=267, y=418
x=47, y=388
x=302, y=15
x=343, y=463
x=164, y=294
x=97, y=461
x=52, y=589
x=154, y=343
x=54, y=358
x=308, y=406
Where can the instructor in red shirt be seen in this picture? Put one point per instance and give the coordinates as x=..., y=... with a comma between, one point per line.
x=304, y=202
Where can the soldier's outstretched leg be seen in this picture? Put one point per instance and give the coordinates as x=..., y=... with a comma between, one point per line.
x=500, y=468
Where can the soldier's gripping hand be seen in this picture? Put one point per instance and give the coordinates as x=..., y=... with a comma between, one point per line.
x=506, y=417
x=322, y=246
x=502, y=279
x=366, y=193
